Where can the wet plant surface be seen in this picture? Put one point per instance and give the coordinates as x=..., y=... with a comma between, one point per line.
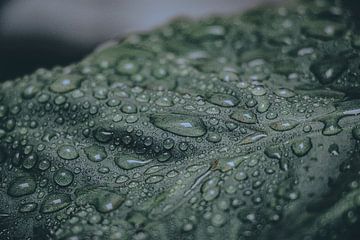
x=245, y=127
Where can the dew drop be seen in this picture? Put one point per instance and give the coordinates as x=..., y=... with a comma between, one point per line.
x=284, y=125
x=224, y=100
x=95, y=153
x=63, y=177
x=127, y=162
x=328, y=69
x=301, y=147
x=55, y=202
x=154, y=179
x=244, y=116
x=182, y=125
x=66, y=83
x=68, y=152
x=22, y=186
x=28, y=207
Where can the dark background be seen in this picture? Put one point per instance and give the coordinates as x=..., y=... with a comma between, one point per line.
x=45, y=33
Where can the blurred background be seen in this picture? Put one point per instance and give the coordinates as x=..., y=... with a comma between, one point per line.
x=45, y=33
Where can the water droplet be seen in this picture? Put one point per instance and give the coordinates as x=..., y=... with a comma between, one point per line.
x=66, y=83
x=244, y=116
x=258, y=91
x=283, y=125
x=218, y=220
x=252, y=138
x=263, y=106
x=55, y=202
x=224, y=100
x=182, y=125
x=30, y=91
x=331, y=126
x=101, y=93
x=68, y=152
x=113, y=102
x=102, y=135
x=241, y=176
x=334, y=149
x=122, y=179
x=328, y=69
x=164, y=102
x=127, y=67
x=103, y=200
x=127, y=162
x=273, y=152
x=29, y=161
x=154, y=179
x=129, y=108
x=28, y=207
x=210, y=190
x=228, y=164
x=95, y=153
x=301, y=147
x=213, y=137
x=284, y=92
x=63, y=177
x=22, y=186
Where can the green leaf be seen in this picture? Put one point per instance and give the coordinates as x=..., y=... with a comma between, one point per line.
x=241, y=127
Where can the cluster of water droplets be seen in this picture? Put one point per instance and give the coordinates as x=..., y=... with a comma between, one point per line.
x=198, y=130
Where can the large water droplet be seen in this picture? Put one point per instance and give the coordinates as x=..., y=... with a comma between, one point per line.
x=154, y=179
x=301, y=147
x=66, y=83
x=102, y=135
x=30, y=91
x=328, y=69
x=55, y=202
x=331, y=126
x=63, y=177
x=284, y=92
x=103, y=200
x=28, y=207
x=252, y=138
x=224, y=100
x=244, y=116
x=183, y=125
x=68, y=152
x=263, y=106
x=22, y=186
x=127, y=67
x=284, y=125
x=210, y=190
x=127, y=162
x=95, y=153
